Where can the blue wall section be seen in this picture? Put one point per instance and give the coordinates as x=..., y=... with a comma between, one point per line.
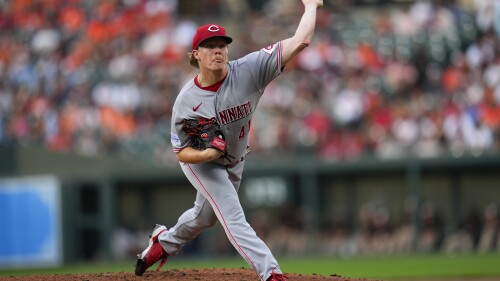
x=30, y=222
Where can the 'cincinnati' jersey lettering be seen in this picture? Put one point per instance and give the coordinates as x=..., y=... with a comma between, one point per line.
x=232, y=114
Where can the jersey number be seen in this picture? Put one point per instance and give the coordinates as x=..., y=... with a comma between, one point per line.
x=243, y=132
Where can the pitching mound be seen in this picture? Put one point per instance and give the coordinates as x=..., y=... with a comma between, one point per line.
x=213, y=274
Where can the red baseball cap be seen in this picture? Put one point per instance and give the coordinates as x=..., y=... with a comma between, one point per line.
x=209, y=31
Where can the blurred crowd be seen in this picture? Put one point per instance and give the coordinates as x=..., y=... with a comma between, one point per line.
x=99, y=77
x=376, y=230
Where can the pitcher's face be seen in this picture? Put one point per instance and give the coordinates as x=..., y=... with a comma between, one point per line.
x=212, y=54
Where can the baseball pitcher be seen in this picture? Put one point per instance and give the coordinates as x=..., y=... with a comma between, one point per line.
x=211, y=122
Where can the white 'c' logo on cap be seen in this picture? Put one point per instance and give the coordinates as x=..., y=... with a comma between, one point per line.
x=213, y=28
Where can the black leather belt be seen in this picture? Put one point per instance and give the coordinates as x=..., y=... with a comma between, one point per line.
x=232, y=164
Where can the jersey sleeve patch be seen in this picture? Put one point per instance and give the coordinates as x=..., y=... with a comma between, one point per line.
x=174, y=138
x=269, y=49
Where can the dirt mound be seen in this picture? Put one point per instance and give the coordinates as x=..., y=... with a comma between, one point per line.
x=219, y=274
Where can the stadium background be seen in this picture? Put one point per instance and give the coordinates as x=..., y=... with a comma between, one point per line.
x=382, y=138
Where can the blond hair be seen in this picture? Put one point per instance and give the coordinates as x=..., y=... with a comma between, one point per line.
x=192, y=60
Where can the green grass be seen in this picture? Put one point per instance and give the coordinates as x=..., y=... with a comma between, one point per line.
x=376, y=267
x=401, y=267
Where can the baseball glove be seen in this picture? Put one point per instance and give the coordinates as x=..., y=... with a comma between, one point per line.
x=206, y=133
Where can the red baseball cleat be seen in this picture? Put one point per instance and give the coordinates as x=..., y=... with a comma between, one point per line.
x=277, y=277
x=153, y=253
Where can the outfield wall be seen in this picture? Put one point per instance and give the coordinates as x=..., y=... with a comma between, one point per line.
x=99, y=196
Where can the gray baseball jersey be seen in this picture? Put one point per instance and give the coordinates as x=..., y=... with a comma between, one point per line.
x=234, y=103
x=216, y=182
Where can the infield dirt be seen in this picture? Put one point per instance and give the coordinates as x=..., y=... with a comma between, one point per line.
x=213, y=274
